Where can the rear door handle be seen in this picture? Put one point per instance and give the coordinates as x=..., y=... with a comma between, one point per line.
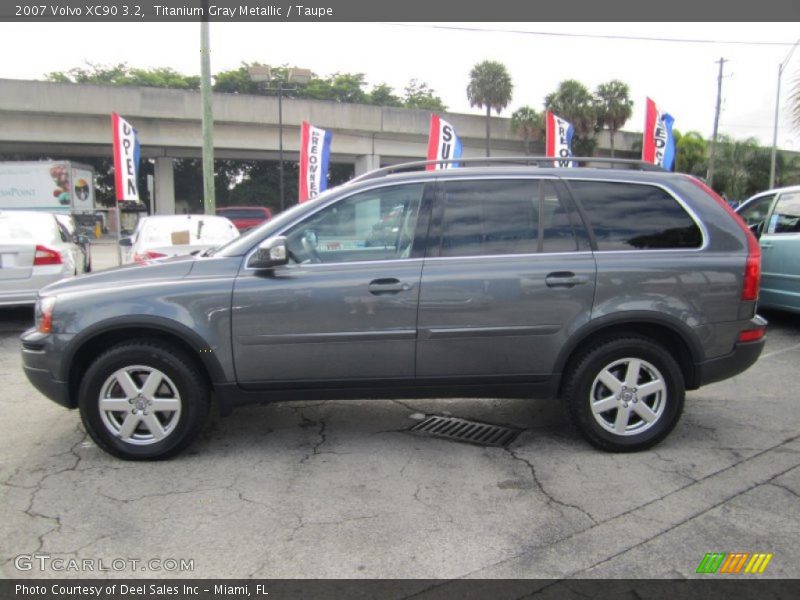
x=387, y=286
x=566, y=279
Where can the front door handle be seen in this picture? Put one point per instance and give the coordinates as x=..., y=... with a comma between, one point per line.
x=766, y=245
x=566, y=279
x=387, y=286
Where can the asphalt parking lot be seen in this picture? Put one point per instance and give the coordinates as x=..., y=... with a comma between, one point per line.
x=341, y=489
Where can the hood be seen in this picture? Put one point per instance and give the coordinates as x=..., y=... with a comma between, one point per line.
x=169, y=268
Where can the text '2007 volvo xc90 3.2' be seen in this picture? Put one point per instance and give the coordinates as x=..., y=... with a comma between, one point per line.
x=615, y=289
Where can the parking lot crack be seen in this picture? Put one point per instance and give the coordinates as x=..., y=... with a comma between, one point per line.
x=675, y=526
x=550, y=498
x=785, y=489
x=315, y=450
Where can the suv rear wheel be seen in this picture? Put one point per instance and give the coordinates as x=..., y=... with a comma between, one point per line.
x=625, y=394
x=143, y=400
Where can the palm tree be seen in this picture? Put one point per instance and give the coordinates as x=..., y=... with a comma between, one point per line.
x=795, y=103
x=574, y=102
x=490, y=86
x=529, y=125
x=614, y=107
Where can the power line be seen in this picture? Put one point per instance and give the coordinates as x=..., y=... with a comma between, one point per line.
x=599, y=36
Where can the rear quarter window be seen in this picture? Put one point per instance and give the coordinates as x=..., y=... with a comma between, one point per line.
x=625, y=216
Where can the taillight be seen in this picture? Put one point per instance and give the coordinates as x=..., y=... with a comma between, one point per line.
x=146, y=255
x=752, y=267
x=46, y=256
x=752, y=335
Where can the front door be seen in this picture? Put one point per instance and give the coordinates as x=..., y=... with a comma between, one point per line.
x=780, y=249
x=345, y=308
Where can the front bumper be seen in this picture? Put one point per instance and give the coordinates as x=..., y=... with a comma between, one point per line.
x=38, y=364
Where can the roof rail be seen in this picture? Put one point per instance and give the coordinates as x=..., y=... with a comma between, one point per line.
x=536, y=161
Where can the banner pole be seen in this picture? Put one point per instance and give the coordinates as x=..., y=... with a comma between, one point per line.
x=119, y=234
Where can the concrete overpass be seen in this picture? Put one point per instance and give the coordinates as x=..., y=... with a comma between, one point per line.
x=74, y=120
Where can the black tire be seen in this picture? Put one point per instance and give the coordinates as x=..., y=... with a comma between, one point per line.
x=181, y=384
x=652, y=366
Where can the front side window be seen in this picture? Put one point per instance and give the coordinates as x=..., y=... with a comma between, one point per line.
x=756, y=211
x=626, y=216
x=786, y=216
x=375, y=225
x=497, y=217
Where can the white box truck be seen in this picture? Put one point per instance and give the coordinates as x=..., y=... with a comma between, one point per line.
x=51, y=185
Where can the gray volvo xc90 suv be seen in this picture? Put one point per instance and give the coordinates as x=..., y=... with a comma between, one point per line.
x=614, y=289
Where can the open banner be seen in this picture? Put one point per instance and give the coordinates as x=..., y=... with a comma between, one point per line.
x=658, y=145
x=558, y=139
x=443, y=144
x=315, y=153
x=126, y=159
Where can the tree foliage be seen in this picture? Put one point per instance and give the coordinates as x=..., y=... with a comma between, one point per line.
x=419, y=95
x=529, y=125
x=490, y=87
x=794, y=101
x=614, y=107
x=574, y=102
x=122, y=74
x=691, y=153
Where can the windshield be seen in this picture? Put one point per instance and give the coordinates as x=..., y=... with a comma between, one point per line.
x=246, y=241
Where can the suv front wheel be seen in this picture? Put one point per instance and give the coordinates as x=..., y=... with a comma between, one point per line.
x=143, y=400
x=625, y=394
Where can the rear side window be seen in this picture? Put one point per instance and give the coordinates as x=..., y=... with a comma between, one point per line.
x=628, y=216
x=495, y=217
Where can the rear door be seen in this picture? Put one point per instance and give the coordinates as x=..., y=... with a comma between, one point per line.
x=509, y=275
x=780, y=254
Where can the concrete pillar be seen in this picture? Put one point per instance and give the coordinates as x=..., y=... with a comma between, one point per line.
x=367, y=162
x=165, y=186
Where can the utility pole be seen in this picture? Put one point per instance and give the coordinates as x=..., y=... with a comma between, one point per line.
x=208, y=118
x=773, y=151
x=710, y=173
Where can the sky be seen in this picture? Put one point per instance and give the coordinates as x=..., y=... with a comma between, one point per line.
x=680, y=76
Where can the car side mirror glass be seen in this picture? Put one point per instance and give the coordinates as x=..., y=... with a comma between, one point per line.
x=757, y=228
x=271, y=253
x=126, y=241
x=81, y=239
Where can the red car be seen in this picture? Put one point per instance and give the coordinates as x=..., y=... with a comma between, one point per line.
x=245, y=217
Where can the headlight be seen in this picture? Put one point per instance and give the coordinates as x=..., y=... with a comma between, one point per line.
x=44, y=314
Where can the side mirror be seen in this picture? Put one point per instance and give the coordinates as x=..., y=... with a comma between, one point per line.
x=126, y=242
x=271, y=253
x=81, y=239
x=757, y=229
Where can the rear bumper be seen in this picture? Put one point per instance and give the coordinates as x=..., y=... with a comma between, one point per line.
x=743, y=356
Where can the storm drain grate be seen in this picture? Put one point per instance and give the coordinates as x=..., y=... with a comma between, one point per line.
x=462, y=430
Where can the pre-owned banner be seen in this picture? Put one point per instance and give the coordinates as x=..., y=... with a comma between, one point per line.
x=558, y=139
x=658, y=145
x=315, y=152
x=443, y=144
x=126, y=158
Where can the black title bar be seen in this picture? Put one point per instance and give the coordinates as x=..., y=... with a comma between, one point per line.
x=409, y=10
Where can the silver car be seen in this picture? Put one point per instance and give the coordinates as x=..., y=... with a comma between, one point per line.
x=162, y=236
x=35, y=250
